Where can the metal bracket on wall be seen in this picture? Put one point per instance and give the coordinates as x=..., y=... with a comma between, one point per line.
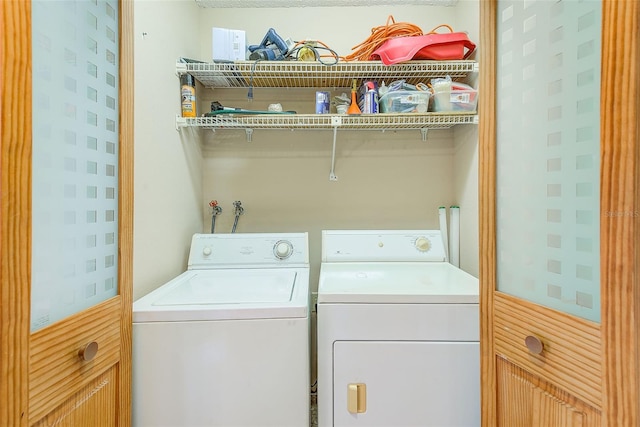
x=424, y=132
x=335, y=122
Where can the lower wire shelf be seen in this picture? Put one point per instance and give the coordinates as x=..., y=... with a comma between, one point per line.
x=329, y=121
x=334, y=122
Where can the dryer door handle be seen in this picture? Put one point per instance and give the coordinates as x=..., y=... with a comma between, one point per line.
x=357, y=398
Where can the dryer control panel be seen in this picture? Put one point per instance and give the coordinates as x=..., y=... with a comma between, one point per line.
x=382, y=245
x=247, y=249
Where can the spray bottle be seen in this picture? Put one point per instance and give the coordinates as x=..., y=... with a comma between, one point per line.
x=370, y=98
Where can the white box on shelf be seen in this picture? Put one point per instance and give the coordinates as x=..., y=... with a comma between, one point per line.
x=227, y=44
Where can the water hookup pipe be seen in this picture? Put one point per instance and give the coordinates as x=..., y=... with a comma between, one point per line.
x=239, y=210
x=216, y=210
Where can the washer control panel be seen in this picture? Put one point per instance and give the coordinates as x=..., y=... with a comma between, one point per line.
x=237, y=249
x=382, y=245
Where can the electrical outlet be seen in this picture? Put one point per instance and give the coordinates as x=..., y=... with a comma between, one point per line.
x=314, y=302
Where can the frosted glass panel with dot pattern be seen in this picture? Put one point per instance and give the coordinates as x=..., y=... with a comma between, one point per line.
x=548, y=159
x=75, y=156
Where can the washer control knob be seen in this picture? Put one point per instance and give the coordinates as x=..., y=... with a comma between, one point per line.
x=423, y=244
x=206, y=251
x=283, y=249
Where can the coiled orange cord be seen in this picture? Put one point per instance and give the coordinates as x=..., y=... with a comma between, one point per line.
x=381, y=34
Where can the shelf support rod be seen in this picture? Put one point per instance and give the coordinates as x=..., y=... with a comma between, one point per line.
x=249, y=133
x=424, y=132
x=335, y=121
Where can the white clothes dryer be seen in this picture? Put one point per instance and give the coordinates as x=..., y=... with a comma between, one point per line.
x=226, y=343
x=398, y=332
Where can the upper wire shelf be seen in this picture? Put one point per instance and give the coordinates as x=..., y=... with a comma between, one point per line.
x=241, y=74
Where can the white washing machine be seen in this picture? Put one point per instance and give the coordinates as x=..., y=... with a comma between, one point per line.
x=226, y=343
x=398, y=332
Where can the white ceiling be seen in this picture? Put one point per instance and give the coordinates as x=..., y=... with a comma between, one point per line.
x=317, y=3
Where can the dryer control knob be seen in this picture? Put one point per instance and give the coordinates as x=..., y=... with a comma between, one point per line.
x=423, y=244
x=283, y=249
x=206, y=251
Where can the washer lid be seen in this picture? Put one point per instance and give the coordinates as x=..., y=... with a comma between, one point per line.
x=396, y=282
x=226, y=294
x=230, y=287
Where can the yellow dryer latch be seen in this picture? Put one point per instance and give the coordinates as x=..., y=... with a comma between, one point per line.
x=357, y=398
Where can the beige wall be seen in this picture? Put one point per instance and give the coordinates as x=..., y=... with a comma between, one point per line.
x=385, y=179
x=466, y=154
x=341, y=28
x=168, y=164
x=465, y=162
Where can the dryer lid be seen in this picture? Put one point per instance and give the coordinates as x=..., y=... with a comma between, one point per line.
x=396, y=282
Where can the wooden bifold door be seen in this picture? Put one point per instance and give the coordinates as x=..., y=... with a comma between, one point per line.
x=66, y=159
x=559, y=215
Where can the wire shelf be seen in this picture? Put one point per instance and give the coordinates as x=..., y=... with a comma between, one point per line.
x=243, y=74
x=329, y=121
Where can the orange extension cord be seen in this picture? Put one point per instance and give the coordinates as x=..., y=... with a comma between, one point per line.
x=381, y=34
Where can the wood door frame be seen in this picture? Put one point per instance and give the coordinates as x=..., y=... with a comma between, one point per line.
x=125, y=209
x=619, y=218
x=15, y=210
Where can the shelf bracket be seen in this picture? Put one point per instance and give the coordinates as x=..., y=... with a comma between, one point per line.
x=181, y=68
x=249, y=133
x=180, y=122
x=335, y=122
x=424, y=132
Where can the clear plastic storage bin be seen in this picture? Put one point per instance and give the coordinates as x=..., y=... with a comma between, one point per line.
x=404, y=101
x=455, y=100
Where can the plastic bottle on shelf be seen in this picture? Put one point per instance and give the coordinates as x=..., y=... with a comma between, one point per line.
x=353, y=108
x=188, y=95
x=383, y=89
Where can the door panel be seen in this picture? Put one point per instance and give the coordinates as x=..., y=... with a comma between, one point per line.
x=44, y=382
x=60, y=344
x=569, y=358
x=548, y=151
x=407, y=383
x=587, y=373
x=93, y=405
x=538, y=403
x=547, y=199
x=75, y=148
